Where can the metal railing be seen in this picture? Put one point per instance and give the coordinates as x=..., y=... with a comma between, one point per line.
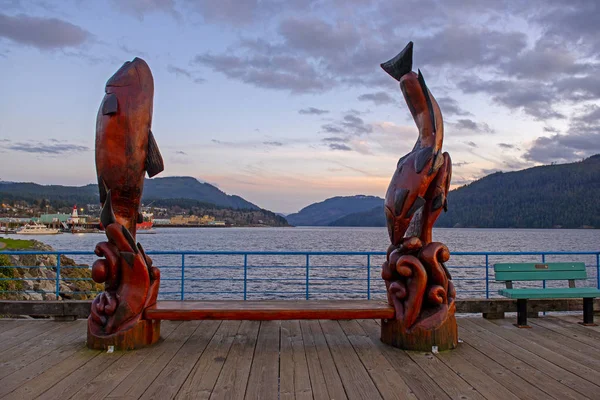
x=271, y=274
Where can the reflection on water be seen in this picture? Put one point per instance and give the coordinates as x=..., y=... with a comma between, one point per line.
x=328, y=279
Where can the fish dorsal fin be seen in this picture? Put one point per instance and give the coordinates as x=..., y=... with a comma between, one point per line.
x=110, y=104
x=428, y=100
x=128, y=256
x=154, y=160
x=129, y=239
x=103, y=190
x=107, y=215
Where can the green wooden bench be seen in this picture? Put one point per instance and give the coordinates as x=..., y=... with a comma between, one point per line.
x=509, y=272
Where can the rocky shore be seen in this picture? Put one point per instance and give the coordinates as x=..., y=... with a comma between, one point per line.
x=38, y=282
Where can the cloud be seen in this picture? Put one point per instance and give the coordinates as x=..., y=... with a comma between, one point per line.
x=139, y=8
x=379, y=98
x=467, y=46
x=47, y=149
x=43, y=33
x=470, y=125
x=471, y=144
x=281, y=72
x=312, y=111
x=450, y=107
x=273, y=143
x=460, y=164
x=535, y=99
x=183, y=153
x=338, y=146
x=177, y=71
x=333, y=139
x=551, y=129
x=582, y=140
x=507, y=146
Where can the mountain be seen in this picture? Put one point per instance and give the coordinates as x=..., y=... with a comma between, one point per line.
x=154, y=189
x=372, y=217
x=185, y=187
x=564, y=195
x=330, y=210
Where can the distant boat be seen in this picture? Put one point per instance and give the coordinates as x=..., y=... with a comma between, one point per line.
x=146, y=224
x=37, y=229
x=6, y=230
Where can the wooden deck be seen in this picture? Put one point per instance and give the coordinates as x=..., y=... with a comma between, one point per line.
x=320, y=359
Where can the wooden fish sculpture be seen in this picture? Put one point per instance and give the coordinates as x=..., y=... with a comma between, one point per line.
x=422, y=177
x=418, y=283
x=125, y=145
x=125, y=151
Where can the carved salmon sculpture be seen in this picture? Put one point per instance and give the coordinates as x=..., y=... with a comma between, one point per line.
x=419, y=285
x=125, y=151
x=125, y=145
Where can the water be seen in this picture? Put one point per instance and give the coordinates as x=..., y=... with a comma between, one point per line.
x=330, y=276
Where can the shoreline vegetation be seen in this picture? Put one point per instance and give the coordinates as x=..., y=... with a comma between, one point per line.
x=38, y=282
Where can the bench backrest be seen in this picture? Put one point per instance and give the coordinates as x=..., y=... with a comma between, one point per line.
x=540, y=271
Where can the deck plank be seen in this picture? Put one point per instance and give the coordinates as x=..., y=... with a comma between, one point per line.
x=81, y=375
x=293, y=366
x=421, y=385
x=167, y=383
x=233, y=379
x=202, y=379
x=572, y=331
x=21, y=378
x=20, y=334
x=324, y=378
x=453, y=384
x=567, y=346
x=332, y=376
x=306, y=359
x=8, y=324
x=104, y=383
x=264, y=372
x=577, y=319
x=389, y=382
x=356, y=379
x=135, y=384
x=485, y=363
x=537, y=369
x=35, y=348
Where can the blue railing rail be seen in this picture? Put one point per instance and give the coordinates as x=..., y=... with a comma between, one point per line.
x=267, y=274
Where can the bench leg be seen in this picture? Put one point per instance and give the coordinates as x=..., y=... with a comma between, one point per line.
x=588, y=311
x=522, y=314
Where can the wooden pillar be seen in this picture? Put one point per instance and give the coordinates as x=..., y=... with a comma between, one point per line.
x=444, y=336
x=144, y=333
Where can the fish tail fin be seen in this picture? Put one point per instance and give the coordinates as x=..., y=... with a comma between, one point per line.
x=400, y=65
x=154, y=160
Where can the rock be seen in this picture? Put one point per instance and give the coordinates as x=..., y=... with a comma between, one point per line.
x=49, y=296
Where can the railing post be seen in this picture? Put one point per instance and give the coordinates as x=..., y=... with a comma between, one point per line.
x=487, y=276
x=245, y=275
x=307, y=274
x=544, y=262
x=368, y=277
x=182, y=276
x=598, y=270
x=57, y=276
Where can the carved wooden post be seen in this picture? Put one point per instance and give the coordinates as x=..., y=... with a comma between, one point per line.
x=125, y=151
x=418, y=284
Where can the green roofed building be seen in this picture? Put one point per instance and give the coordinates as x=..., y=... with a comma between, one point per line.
x=53, y=218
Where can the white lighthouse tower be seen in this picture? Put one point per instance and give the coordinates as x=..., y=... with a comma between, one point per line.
x=74, y=215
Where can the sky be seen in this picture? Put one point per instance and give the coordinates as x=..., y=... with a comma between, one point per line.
x=283, y=102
